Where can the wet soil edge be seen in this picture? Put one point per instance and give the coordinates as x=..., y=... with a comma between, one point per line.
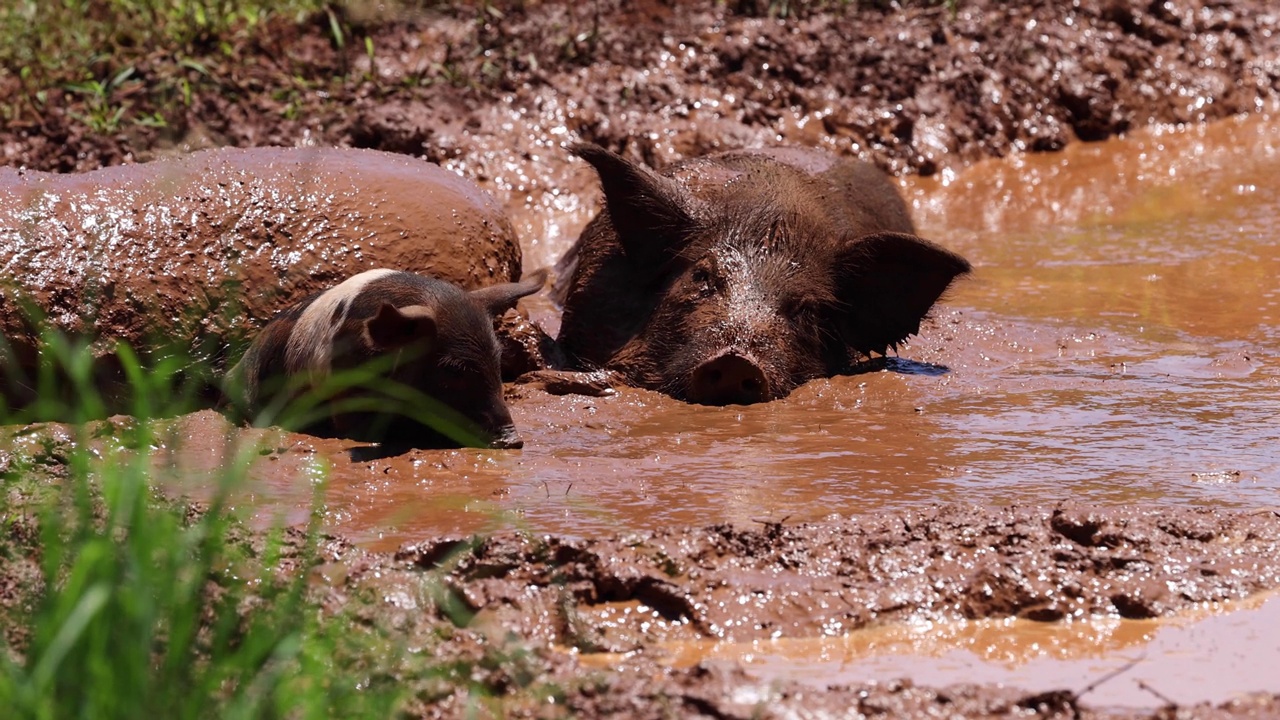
x=1054, y=563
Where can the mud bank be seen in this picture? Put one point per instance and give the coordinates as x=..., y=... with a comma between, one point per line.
x=632, y=595
x=740, y=584
x=496, y=95
x=924, y=87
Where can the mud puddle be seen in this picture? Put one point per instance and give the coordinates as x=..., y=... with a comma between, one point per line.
x=1116, y=345
x=1153, y=260
x=1210, y=655
x=1115, y=348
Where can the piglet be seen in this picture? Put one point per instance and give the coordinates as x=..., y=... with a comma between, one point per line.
x=428, y=349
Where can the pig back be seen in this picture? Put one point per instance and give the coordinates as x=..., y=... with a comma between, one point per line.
x=859, y=196
x=202, y=249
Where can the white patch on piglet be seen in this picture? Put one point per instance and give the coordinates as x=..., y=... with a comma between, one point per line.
x=310, y=344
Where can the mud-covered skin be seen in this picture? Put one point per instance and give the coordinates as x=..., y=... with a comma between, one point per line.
x=438, y=340
x=196, y=251
x=737, y=277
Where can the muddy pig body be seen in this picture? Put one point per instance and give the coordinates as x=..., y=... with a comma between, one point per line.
x=734, y=278
x=424, y=340
x=192, y=251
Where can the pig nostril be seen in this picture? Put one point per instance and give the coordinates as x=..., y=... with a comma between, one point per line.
x=729, y=378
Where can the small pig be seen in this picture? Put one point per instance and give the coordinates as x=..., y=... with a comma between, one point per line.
x=431, y=336
x=735, y=278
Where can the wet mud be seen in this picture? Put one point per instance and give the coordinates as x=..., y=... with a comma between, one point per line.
x=739, y=584
x=495, y=94
x=1224, y=651
x=1082, y=438
x=1132, y=369
x=778, y=602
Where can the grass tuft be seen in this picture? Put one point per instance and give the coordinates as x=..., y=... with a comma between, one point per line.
x=98, y=49
x=116, y=601
x=139, y=607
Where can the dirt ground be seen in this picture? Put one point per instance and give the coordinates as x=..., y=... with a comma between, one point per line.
x=494, y=93
x=916, y=89
x=945, y=563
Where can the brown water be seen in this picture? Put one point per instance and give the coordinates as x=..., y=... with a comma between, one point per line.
x=1208, y=656
x=1151, y=266
x=1116, y=344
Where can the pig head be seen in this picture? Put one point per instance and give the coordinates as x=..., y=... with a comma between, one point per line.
x=429, y=347
x=734, y=278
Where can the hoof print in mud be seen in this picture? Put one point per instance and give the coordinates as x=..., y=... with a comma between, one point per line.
x=735, y=278
x=385, y=356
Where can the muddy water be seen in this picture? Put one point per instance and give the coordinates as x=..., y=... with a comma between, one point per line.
x=1115, y=344
x=1132, y=290
x=1213, y=655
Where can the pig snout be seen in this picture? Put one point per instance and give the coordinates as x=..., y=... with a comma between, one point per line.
x=506, y=439
x=497, y=426
x=730, y=378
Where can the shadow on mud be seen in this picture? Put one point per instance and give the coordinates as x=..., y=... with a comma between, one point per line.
x=371, y=453
x=902, y=366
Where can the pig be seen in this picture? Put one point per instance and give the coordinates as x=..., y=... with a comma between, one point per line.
x=736, y=277
x=186, y=252
x=421, y=333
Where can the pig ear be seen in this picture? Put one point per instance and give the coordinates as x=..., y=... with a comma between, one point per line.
x=886, y=283
x=651, y=214
x=497, y=299
x=394, y=327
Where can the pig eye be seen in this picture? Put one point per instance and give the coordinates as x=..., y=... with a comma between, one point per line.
x=704, y=282
x=800, y=309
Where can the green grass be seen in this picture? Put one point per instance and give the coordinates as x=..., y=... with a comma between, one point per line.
x=139, y=608
x=118, y=601
x=95, y=49
x=120, y=65
x=46, y=36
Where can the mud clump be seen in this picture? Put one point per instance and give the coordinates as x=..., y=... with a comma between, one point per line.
x=950, y=563
x=836, y=576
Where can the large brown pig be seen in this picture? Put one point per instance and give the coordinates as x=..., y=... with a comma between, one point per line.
x=735, y=278
x=197, y=252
